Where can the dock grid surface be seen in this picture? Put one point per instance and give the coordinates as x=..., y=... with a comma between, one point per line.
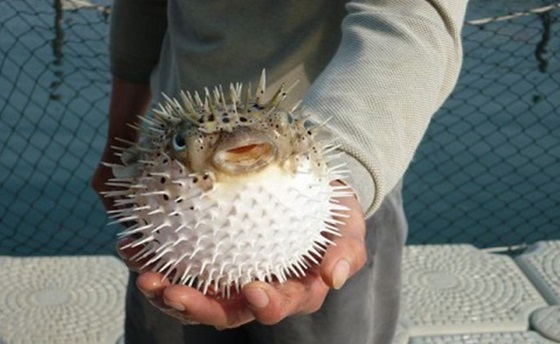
x=452, y=294
x=458, y=294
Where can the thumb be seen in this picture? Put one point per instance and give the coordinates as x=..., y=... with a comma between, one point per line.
x=349, y=254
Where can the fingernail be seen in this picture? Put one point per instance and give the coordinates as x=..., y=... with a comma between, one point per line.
x=176, y=305
x=149, y=292
x=148, y=295
x=341, y=272
x=257, y=297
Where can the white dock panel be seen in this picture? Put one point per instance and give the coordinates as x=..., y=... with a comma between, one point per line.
x=541, y=263
x=485, y=338
x=457, y=289
x=546, y=321
x=62, y=300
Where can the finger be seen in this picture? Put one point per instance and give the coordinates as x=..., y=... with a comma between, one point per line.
x=348, y=255
x=192, y=304
x=271, y=304
x=152, y=285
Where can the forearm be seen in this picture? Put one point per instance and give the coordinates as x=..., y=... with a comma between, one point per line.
x=397, y=62
x=137, y=31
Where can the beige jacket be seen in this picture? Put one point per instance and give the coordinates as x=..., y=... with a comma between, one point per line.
x=379, y=68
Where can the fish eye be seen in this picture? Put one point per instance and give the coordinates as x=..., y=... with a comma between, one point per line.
x=179, y=143
x=290, y=118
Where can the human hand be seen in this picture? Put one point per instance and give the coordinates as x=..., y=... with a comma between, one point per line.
x=267, y=303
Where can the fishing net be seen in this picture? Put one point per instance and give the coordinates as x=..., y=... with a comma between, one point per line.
x=487, y=172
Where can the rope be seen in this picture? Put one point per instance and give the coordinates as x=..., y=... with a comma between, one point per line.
x=513, y=15
x=106, y=10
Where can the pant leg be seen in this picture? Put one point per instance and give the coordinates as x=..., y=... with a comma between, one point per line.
x=365, y=310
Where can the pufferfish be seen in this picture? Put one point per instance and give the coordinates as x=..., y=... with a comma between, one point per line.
x=222, y=191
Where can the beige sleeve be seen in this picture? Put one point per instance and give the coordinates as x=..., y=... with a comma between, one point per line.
x=397, y=63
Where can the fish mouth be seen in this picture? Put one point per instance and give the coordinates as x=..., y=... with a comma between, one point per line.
x=240, y=155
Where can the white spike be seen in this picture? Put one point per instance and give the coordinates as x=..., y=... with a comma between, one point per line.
x=145, y=252
x=197, y=98
x=216, y=96
x=259, y=95
x=297, y=107
x=131, y=231
x=141, y=241
x=124, y=219
x=248, y=98
x=154, y=259
x=222, y=99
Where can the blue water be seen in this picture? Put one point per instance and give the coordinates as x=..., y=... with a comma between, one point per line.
x=487, y=173
x=53, y=103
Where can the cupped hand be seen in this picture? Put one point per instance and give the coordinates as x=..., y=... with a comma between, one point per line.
x=268, y=303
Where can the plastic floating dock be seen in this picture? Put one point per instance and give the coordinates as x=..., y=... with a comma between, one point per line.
x=546, y=321
x=401, y=335
x=457, y=289
x=62, y=300
x=452, y=294
x=485, y=338
x=541, y=263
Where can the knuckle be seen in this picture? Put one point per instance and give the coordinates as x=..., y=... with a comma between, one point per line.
x=272, y=318
x=319, y=294
x=361, y=256
x=315, y=306
x=359, y=251
x=236, y=319
x=361, y=259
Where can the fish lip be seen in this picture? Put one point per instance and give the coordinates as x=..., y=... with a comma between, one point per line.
x=256, y=152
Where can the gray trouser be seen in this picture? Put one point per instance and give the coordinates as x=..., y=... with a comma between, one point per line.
x=364, y=311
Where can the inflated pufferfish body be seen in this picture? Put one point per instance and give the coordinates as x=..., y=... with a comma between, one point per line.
x=222, y=192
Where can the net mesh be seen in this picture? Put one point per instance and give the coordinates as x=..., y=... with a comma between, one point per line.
x=487, y=172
